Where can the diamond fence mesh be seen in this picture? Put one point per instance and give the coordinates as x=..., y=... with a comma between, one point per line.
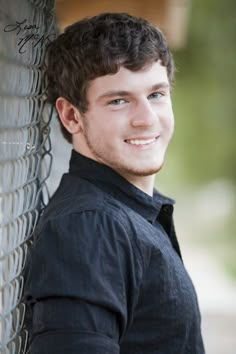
x=25, y=151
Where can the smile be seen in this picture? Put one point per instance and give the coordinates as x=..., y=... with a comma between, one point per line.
x=141, y=141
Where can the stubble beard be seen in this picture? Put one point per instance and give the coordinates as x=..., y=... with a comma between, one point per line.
x=119, y=165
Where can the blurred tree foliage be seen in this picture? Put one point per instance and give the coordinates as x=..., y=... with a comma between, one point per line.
x=204, y=101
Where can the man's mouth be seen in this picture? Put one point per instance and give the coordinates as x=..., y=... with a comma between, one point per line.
x=141, y=141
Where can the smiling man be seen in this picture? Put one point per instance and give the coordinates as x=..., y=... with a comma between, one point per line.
x=105, y=274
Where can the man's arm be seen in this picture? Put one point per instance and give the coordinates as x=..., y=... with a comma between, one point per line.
x=80, y=274
x=63, y=326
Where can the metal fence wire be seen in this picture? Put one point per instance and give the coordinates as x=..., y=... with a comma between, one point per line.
x=25, y=151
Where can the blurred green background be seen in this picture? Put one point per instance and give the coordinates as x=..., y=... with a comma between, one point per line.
x=200, y=167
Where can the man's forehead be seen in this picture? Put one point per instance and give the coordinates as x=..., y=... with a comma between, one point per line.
x=124, y=81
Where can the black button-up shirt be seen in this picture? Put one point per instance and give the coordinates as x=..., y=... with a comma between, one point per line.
x=105, y=273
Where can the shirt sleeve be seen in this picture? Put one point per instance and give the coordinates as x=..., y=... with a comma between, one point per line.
x=81, y=285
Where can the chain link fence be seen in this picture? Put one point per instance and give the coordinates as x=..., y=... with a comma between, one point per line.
x=25, y=151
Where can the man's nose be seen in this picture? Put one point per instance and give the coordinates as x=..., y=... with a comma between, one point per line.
x=143, y=114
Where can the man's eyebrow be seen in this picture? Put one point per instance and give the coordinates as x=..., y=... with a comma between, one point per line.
x=113, y=93
x=122, y=93
x=160, y=85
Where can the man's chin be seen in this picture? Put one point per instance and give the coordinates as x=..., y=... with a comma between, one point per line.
x=147, y=173
x=141, y=172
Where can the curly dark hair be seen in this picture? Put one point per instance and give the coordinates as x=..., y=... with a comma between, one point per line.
x=98, y=46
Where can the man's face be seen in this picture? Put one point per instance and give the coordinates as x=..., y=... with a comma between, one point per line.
x=130, y=121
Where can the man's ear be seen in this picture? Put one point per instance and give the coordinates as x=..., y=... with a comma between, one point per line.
x=69, y=115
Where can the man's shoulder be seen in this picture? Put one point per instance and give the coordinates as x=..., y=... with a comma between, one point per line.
x=75, y=195
x=81, y=205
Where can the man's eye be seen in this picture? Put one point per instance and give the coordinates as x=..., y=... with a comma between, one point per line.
x=117, y=102
x=156, y=95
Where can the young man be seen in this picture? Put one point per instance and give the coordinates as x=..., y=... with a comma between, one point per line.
x=105, y=274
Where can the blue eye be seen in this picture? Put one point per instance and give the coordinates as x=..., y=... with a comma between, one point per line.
x=155, y=95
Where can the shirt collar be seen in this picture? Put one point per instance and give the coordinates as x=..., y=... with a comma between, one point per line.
x=111, y=182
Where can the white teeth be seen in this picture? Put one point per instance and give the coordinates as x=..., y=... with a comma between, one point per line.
x=141, y=142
